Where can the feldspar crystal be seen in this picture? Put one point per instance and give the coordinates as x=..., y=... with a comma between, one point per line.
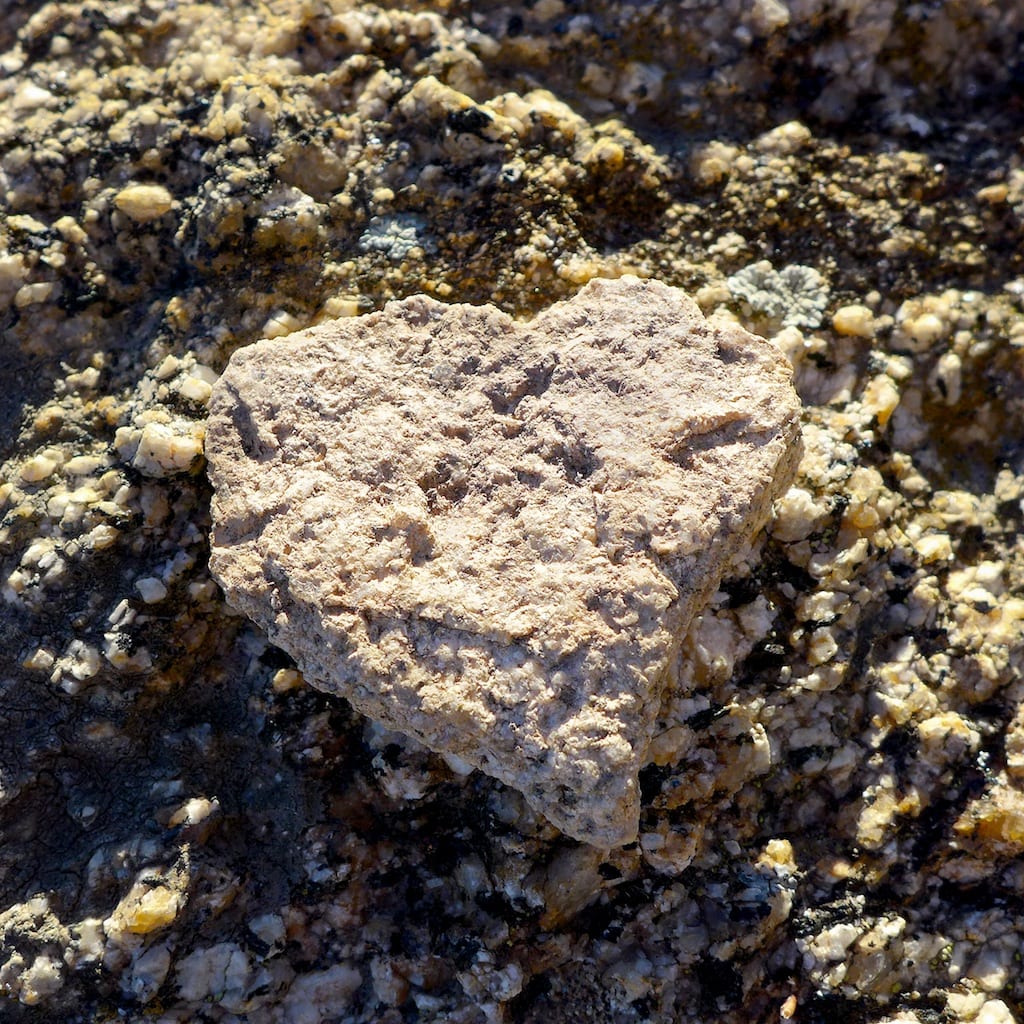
x=492, y=535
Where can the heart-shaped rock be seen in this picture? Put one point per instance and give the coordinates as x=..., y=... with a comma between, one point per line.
x=491, y=535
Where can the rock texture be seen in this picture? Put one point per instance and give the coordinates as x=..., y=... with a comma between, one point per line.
x=493, y=536
x=832, y=816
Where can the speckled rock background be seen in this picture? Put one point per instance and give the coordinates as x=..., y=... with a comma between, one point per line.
x=833, y=827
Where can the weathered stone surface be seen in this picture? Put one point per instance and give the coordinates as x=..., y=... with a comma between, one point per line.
x=492, y=535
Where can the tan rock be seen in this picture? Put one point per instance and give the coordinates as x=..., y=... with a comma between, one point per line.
x=144, y=203
x=492, y=536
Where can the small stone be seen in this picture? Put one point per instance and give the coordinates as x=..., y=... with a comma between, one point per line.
x=151, y=589
x=493, y=536
x=169, y=366
x=856, y=321
x=41, y=660
x=147, y=973
x=935, y=547
x=948, y=377
x=12, y=270
x=221, y=972
x=162, y=450
x=317, y=996
x=146, y=908
x=606, y=154
x=788, y=138
x=713, y=162
x=42, y=979
x=84, y=380
x=281, y=323
x=30, y=97
x=37, y=469
x=797, y=516
x=195, y=389
x=193, y=812
x=880, y=398
x=101, y=537
x=286, y=679
x=34, y=294
x=993, y=194
x=269, y=929
x=822, y=647
x=925, y=329
x=144, y=203
x=83, y=465
x=341, y=305
x=88, y=940
x=995, y=1011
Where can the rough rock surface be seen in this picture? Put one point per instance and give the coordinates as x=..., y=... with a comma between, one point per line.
x=832, y=819
x=493, y=536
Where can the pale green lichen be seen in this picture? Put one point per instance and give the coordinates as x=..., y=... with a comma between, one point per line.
x=396, y=235
x=796, y=296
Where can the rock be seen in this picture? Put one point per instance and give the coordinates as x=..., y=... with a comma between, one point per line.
x=144, y=203
x=491, y=535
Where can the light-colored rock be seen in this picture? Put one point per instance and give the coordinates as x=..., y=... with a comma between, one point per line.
x=144, y=203
x=492, y=536
x=856, y=321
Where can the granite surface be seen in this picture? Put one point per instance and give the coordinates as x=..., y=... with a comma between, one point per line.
x=832, y=823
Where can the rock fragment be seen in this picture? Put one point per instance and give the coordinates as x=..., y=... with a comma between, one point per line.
x=143, y=203
x=492, y=535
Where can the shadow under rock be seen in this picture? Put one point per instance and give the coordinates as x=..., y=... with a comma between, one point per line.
x=81, y=802
x=24, y=382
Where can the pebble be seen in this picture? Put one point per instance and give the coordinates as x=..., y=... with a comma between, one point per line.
x=935, y=547
x=42, y=979
x=855, y=321
x=786, y=139
x=34, y=294
x=713, y=162
x=37, y=469
x=924, y=330
x=286, y=679
x=994, y=195
x=151, y=589
x=193, y=812
x=163, y=449
x=281, y=323
x=147, y=907
x=797, y=515
x=144, y=203
x=83, y=465
x=196, y=389
x=881, y=398
x=948, y=377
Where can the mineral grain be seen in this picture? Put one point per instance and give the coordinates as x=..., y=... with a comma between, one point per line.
x=493, y=536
